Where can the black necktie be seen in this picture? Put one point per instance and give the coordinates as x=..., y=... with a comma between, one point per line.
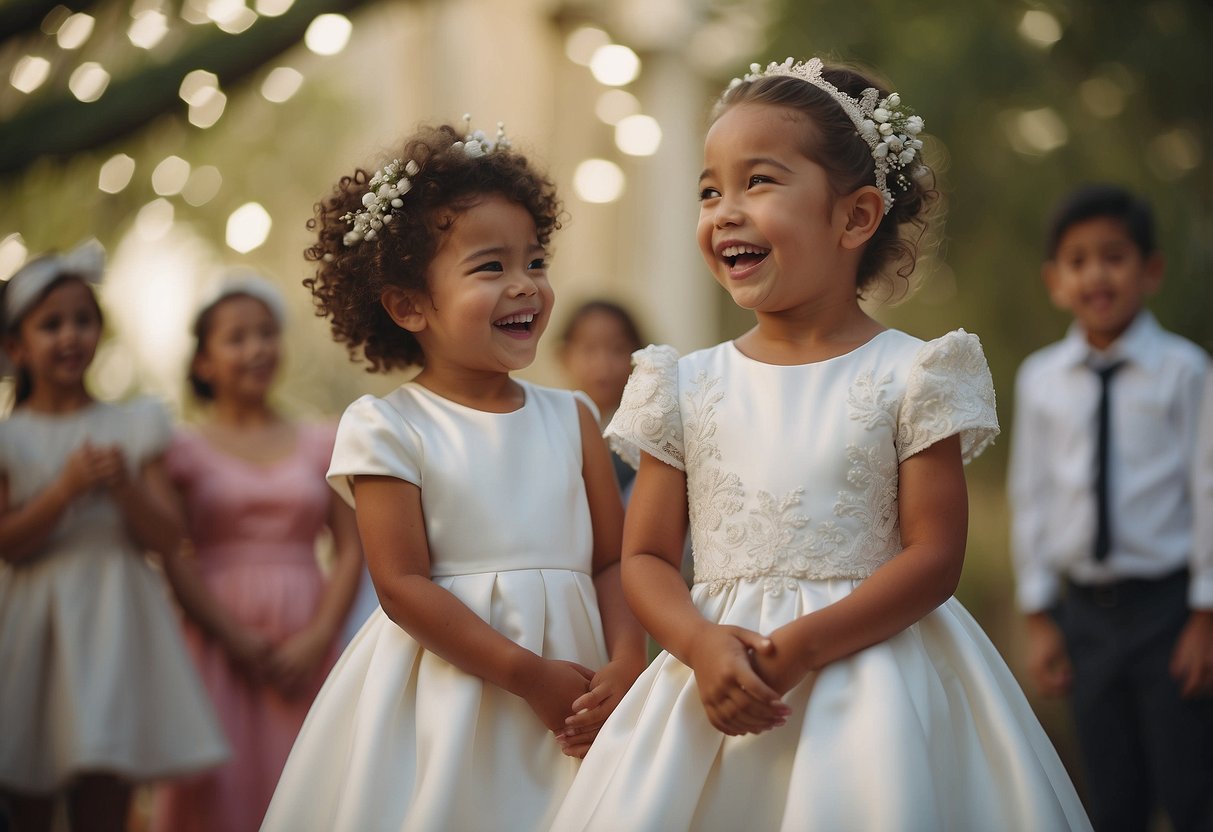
x=1103, y=532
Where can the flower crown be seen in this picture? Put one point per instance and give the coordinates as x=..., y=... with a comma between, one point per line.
x=395, y=179
x=890, y=129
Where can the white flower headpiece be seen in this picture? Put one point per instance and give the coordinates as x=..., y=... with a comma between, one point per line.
x=890, y=129
x=390, y=183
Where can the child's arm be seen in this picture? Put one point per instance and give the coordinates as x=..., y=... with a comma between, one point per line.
x=736, y=699
x=933, y=506
x=247, y=650
x=625, y=639
x=1037, y=583
x=1192, y=659
x=146, y=502
x=24, y=530
x=295, y=659
x=392, y=527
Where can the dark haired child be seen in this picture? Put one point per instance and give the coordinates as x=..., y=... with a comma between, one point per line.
x=487, y=508
x=1111, y=486
x=818, y=674
x=262, y=619
x=596, y=347
x=96, y=694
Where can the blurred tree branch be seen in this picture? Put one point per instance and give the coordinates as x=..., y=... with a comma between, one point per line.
x=62, y=126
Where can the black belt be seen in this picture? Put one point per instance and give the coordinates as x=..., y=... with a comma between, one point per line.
x=1126, y=590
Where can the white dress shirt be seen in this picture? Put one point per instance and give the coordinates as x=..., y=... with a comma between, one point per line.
x=1161, y=464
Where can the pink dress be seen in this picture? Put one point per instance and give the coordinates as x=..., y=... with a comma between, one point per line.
x=254, y=528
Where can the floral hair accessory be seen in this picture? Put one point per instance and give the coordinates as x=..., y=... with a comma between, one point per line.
x=890, y=129
x=395, y=179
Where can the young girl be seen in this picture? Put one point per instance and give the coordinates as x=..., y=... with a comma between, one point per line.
x=596, y=349
x=262, y=618
x=819, y=675
x=487, y=508
x=95, y=693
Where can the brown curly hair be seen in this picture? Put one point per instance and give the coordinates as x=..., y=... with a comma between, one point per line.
x=349, y=280
x=833, y=142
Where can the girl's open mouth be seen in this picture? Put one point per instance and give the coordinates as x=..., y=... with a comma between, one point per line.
x=743, y=256
x=520, y=323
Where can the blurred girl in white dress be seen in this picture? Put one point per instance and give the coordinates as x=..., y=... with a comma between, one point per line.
x=487, y=507
x=96, y=691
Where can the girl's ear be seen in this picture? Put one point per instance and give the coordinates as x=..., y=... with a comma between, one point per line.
x=403, y=308
x=12, y=348
x=1155, y=268
x=200, y=367
x=864, y=211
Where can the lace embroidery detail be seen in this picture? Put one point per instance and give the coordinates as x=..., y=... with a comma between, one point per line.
x=773, y=540
x=949, y=390
x=647, y=418
x=874, y=504
x=866, y=402
x=775, y=544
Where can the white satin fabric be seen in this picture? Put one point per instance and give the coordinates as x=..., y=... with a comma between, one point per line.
x=398, y=739
x=792, y=485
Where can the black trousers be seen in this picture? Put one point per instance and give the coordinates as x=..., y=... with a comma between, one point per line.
x=1143, y=746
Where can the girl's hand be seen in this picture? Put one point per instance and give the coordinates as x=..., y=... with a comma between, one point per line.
x=293, y=662
x=1192, y=659
x=111, y=465
x=591, y=710
x=552, y=690
x=779, y=667
x=86, y=468
x=735, y=697
x=249, y=652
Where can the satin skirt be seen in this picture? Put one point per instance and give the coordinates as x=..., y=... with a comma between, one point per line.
x=928, y=731
x=94, y=675
x=399, y=740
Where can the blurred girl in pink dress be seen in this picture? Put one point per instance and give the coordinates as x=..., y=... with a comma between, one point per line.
x=262, y=619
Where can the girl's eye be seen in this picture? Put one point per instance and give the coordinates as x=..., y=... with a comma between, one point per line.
x=708, y=193
x=494, y=266
x=538, y=264
x=758, y=179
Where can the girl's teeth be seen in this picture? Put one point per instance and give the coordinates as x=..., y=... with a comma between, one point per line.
x=735, y=251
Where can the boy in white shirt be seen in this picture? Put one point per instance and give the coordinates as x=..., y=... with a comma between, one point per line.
x=1111, y=488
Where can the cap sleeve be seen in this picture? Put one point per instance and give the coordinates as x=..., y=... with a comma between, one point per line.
x=948, y=391
x=373, y=439
x=648, y=418
x=152, y=429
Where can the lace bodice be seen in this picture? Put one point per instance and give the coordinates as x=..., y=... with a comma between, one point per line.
x=792, y=470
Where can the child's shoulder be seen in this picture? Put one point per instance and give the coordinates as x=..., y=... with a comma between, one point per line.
x=1179, y=348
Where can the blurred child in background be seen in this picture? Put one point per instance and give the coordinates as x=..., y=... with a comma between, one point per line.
x=596, y=349
x=262, y=618
x=1111, y=486
x=95, y=691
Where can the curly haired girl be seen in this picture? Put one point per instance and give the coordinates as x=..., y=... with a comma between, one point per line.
x=502, y=641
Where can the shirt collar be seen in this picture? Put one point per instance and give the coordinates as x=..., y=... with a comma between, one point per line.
x=1138, y=345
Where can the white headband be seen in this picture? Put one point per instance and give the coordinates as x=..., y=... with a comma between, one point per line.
x=86, y=261
x=241, y=281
